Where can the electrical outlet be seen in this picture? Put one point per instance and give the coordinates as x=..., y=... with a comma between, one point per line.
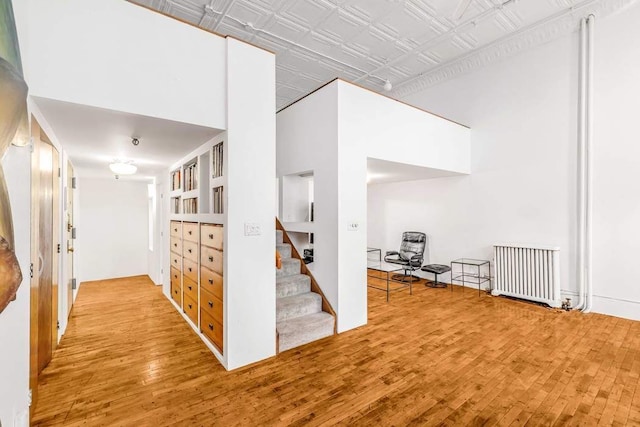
x=252, y=229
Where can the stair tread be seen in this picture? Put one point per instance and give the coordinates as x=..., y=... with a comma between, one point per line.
x=298, y=305
x=292, y=285
x=298, y=324
x=290, y=267
x=291, y=279
x=297, y=299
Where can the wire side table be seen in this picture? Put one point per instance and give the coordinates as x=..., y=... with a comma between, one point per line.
x=374, y=250
x=473, y=274
x=384, y=272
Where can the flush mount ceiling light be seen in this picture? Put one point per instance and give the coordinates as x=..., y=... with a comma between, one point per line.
x=387, y=85
x=123, y=168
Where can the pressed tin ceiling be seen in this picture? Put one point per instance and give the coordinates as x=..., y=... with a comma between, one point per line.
x=412, y=43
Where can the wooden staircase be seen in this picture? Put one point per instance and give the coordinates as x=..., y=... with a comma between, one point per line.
x=303, y=314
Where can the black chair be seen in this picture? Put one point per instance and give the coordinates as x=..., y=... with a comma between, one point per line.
x=410, y=255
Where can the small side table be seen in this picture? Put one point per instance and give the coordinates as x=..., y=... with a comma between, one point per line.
x=474, y=276
x=374, y=250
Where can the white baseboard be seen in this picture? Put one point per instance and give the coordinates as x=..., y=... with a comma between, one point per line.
x=626, y=309
x=616, y=307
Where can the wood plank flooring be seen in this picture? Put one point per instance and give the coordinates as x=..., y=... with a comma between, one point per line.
x=435, y=358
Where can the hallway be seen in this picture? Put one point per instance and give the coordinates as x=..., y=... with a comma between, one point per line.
x=437, y=356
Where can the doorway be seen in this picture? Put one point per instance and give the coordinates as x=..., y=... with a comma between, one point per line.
x=70, y=230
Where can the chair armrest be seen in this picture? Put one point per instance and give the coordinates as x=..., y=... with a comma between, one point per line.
x=391, y=256
x=416, y=260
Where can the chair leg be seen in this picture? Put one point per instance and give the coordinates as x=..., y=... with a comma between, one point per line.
x=435, y=283
x=405, y=278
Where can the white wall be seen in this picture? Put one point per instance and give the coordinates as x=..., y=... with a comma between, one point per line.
x=14, y=320
x=522, y=187
x=250, y=284
x=617, y=165
x=308, y=141
x=113, y=238
x=389, y=130
x=522, y=116
x=116, y=55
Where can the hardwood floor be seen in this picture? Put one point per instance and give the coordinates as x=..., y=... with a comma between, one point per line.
x=435, y=358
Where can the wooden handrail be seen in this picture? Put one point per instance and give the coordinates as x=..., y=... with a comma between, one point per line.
x=326, y=306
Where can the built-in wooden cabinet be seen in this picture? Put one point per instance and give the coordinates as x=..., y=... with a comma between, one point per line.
x=196, y=241
x=196, y=260
x=211, y=294
x=175, y=258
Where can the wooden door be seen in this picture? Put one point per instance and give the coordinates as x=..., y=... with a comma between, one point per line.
x=69, y=231
x=44, y=266
x=45, y=235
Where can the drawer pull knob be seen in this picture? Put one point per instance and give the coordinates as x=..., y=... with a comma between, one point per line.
x=211, y=258
x=190, y=288
x=190, y=306
x=175, y=276
x=211, y=326
x=189, y=250
x=175, y=244
x=211, y=281
x=189, y=268
x=211, y=304
x=211, y=236
x=175, y=229
x=189, y=232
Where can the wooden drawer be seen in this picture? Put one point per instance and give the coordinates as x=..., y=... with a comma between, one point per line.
x=176, y=229
x=175, y=277
x=211, y=258
x=212, y=235
x=191, y=308
x=190, y=288
x=211, y=329
x=176, y=294
x=176, y=245
x=190, y=269
x=212, y=305
x=190, y=231
x=211, y=282
x=176, y=261
x=190, y=250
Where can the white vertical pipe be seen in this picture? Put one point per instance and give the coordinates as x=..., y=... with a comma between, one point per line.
x=589, y=165
x=582, y=116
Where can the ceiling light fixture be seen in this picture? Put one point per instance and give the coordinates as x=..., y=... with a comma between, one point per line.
x=135, y=141
x=123, y=168
x=387, y=85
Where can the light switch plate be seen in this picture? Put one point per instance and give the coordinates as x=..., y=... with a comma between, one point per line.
x=353, y=226
x=252, y=229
